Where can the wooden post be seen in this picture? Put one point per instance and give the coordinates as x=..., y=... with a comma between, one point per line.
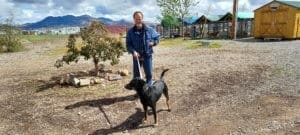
x=234, y=20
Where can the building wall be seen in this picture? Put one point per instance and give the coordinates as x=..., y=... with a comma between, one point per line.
x=297, y=24
x=278, y=23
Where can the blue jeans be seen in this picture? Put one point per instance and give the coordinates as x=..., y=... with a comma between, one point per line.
x=146, y=63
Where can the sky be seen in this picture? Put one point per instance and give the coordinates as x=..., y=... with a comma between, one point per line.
x=27, y=11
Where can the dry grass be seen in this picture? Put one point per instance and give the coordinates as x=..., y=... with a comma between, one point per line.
x=42, y=38
x=63, y=49
x=175, y=42
x=238, y=89
x=197, y=44
x=215, y=45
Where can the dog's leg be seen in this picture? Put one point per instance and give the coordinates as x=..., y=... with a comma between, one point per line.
x=155, y=116
x=145, y=112
x=166, y=93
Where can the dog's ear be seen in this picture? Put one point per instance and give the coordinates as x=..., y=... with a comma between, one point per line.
x=142, y=82
x=139, y=81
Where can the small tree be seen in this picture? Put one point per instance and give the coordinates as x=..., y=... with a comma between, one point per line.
x=176, y=8
x=97, y=45
x=10, y=37
x=169, y=22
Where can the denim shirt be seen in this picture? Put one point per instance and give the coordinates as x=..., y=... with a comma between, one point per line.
x=138, y=40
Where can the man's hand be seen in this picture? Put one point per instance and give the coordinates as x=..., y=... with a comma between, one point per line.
x=151, y=43
x=136, y=55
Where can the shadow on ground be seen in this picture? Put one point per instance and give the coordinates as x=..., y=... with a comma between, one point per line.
x=258, y=40
x=133, y=122
x=101, y=102
x=46, y=85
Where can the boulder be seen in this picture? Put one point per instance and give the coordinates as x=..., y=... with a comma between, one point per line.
x=95, y=80
x=98, y=80
x=123, y=72
x=114, y=77
x=84, y=82
x=66, y=79
x=74, y=81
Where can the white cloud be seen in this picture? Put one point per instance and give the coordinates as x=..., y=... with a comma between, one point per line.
x=28, y=13
x=36, y=10
x=6, y=9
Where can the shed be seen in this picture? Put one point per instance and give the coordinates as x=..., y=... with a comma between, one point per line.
x=278, y=19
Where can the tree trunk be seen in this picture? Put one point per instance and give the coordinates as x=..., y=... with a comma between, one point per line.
x=170, y=31
x=96, y=63
x=182, y=26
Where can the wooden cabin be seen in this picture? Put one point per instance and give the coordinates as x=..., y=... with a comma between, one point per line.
x=219, y=26
x=278, y=19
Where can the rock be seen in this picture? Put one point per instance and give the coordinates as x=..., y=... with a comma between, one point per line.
x=297, y=121
x=107, y=71
x=92, y=81
x=114, y=77
x=83, y=73
x=274, y=125
x=59, y=63
x=74, y=81
x=104, y=75
x=123, y=72
x=66, y=79
x=61, y=81
x=84, y=82
x=96, y=80
x=104, y=69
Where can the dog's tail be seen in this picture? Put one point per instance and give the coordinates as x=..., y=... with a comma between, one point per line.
x=163, y=73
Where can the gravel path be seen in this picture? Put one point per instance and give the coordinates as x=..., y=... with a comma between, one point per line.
x=244, y=87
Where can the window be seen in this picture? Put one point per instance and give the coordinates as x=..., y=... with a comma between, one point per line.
x=274, y=6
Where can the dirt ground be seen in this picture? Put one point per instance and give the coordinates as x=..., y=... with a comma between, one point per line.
x=243, y=88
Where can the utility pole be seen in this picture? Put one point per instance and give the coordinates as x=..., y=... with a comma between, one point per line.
x=234, y=20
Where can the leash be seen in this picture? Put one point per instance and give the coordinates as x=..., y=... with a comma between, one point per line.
x=139, y=67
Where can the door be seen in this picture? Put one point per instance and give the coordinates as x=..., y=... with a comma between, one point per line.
x=298, y=27
x=274, y=22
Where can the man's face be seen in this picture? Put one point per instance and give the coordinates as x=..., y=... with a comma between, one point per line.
x=138, y=20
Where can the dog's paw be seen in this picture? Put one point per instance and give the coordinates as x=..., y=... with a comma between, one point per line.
x=144, y=121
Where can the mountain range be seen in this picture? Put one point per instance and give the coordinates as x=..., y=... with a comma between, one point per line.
x=70, y=21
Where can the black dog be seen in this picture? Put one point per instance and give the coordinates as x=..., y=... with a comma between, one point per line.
x=149, y=95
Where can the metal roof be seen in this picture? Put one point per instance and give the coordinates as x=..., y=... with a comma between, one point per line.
x=215, y=18
x=295, y=4
x=190, y=20
x=245, y=15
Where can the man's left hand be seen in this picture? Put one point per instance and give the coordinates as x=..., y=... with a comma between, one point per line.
x=151, y=43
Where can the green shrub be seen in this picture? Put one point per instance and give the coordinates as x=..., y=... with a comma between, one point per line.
x=215, y=45
x=10, y=38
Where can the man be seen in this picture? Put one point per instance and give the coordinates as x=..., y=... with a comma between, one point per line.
x=140, y=41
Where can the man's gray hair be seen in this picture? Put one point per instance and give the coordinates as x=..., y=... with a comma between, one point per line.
x=138, y=12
